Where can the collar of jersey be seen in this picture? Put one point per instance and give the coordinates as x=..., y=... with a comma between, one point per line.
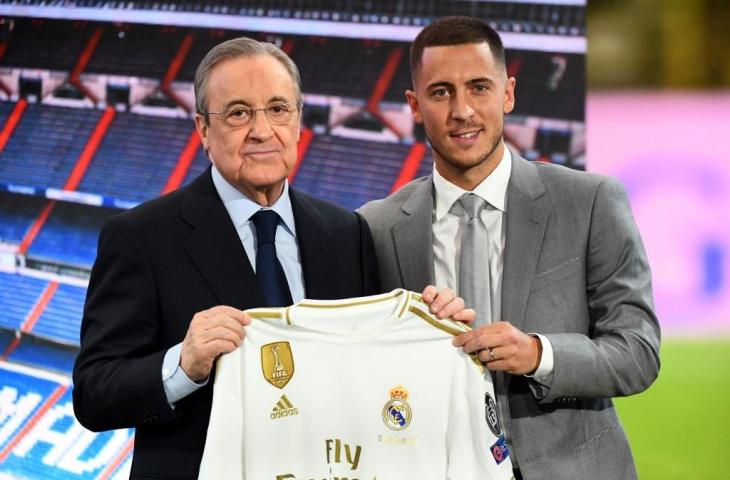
x=407, y=302
x=377, y=328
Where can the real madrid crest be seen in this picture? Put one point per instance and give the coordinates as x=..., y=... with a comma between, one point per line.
x=396, y=412
x=277, y=363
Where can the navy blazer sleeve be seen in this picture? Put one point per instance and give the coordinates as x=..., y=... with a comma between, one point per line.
x=117, y=373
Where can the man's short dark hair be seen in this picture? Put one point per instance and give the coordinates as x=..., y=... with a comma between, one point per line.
x=448, y=31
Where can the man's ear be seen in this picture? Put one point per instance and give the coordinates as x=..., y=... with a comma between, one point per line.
x=415, y=108
x=202, y=127
x=509, y=95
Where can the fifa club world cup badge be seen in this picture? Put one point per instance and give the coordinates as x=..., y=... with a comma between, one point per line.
x=396, y=412
x=277, y=363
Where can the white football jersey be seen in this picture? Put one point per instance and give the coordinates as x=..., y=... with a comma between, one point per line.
x=358, y=389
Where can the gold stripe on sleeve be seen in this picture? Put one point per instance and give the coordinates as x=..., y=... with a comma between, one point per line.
x=450, y=328
x=266, y=314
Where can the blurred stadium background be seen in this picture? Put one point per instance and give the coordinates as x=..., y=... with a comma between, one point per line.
x=95, y=117
x=658, y=116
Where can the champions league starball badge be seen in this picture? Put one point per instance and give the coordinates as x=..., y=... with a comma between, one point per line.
x=396, y=412
x=490, y=411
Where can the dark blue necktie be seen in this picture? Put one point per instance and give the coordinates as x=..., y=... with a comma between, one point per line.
x=268, y=269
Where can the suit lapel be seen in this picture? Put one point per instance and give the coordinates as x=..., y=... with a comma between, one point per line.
x=527, y=212
x=319, y=264
x=413, y=238
x=215, y=248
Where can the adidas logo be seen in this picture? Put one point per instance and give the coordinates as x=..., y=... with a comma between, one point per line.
x=283, y=408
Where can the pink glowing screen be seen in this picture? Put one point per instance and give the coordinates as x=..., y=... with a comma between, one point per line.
x=672, y=152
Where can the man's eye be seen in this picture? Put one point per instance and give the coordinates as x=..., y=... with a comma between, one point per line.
x=238, y=113
x=278, y=109
x=480, y=88
x=441, y=92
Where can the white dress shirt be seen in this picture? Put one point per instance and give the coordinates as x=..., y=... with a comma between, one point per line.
x=240, y=208
x=447, y=233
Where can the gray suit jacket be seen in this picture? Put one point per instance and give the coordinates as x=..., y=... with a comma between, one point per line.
x=576, y=271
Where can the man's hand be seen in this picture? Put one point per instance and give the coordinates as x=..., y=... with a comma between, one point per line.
x=445, y=304
x=502, y=347
x=211, y=333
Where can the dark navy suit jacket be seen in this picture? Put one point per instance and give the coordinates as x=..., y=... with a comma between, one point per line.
x=157, y=265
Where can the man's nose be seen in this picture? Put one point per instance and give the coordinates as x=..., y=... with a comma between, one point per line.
x=460, y=108
x=260, y=128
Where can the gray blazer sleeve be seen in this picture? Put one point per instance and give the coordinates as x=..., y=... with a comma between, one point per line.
x=619, y=356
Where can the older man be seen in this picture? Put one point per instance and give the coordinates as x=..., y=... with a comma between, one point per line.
x=173, y=275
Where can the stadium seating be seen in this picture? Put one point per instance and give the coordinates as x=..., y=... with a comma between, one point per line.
x=136, y=157
x=39, y=353
x=18, y=296
x=349, y=172
x=61, y=319
x=5, y=109
x=22, y=385
x=17, y=213
x=400, y=82
x=70, y=235
x=46, y=145
x=42, y=439
x=340, y=67
x=328, y=66
x=507, y=16
x=135, y=50
x=47, y=44
x=6, y=336
x=426, y=166
x=200, y=163
x=546, y=87
x=204, y=40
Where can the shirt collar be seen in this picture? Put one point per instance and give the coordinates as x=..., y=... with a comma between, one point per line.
x=241, y=208
x=493, y=189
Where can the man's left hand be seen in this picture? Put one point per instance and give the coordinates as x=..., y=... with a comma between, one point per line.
x=445, y=304
x=503, y=347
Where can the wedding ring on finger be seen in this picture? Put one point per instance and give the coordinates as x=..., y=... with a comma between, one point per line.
x=491, y=354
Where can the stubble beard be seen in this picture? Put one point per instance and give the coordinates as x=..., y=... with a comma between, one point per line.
x=463, y=167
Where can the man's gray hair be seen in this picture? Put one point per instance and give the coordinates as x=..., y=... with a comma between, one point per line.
x=235, y=48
